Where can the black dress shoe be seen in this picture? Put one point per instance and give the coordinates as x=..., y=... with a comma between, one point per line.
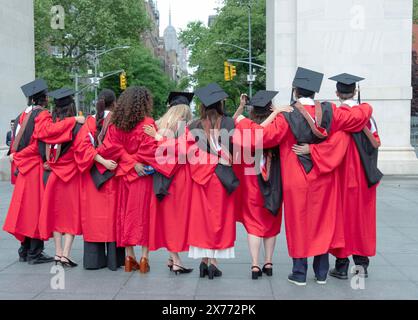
x=362, y=271
x=268, y=271
x=42, y=258
x=203, y=269
x=213, y=271
x=342, y=275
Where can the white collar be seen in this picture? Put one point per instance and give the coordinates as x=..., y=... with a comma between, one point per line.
x=351, y=103
x=106, y=113
x=306, y=101
x=28, y=109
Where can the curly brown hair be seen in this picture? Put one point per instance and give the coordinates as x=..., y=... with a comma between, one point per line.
x=134, y=104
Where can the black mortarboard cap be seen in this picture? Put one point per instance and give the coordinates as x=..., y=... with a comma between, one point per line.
x=262, y=99
x=308, y=80
x=175, y=98
x=211, y=94
x=346, y=83
x=62, y=97
x=35, y=87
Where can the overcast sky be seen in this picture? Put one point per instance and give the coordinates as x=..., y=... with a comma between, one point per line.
x=185, y=11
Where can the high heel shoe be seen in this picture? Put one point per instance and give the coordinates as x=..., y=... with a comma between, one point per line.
x=131, y=264
x=268, y=271
x=203, y=268
x=181, y=269
x=144, y=265
x=213, y=271
x=57, y=259
x=170, y=264
x=256, y=272
x=69, y=263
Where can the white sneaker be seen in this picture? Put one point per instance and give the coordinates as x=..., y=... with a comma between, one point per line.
x=298, y=283
x=321, y=282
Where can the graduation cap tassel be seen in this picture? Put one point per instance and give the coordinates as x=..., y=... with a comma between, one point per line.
x=359, y=98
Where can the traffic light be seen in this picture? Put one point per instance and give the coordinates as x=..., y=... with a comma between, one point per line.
x=123, y=83
x=227, y=72
x=233, y=72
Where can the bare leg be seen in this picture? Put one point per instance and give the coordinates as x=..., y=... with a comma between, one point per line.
x=214, y=262
x=145, y=252
x=68, y=243
x=130, y=252
x=254, y=244
x=269, y=244
x=58, y=244
x=205, y=260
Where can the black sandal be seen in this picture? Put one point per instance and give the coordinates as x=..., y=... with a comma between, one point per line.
x=170, y=264
x=57, y=259
x=268, y=271
x=68, y=263
x=256, y=274
x=181, y=269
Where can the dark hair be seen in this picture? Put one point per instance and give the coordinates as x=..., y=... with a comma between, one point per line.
x=212, y=113
x=303, y=93
x=133, y=106
x=12, y=121
x=39, y=99
x=261, y=115
x=105, y=102
x=62, y=112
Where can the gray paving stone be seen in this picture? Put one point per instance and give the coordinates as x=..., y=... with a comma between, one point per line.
x=392, y=271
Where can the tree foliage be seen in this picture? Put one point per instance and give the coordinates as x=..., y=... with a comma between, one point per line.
x=91, y=24
x=230, y=26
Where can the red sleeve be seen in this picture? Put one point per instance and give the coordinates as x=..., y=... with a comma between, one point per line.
x=22, y=159
x=112, y=147
x=328, y=155
x=147, y=154
x=351, y=119
x=53, y=132
x=268, y=137
x=84, y=151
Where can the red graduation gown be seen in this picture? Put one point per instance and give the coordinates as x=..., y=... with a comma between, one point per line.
x=257, y=220
x=98, y=207
x=310, y=200
x=135, y=193
x=23, y=216
x=60, y=211
x=170, y=218
x=358, y=200
x=212, y=209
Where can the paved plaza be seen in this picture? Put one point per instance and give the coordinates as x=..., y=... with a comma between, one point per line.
x=393, y=272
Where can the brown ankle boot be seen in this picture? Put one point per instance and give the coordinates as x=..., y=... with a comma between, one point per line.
x=144, y=265
x=131, y=264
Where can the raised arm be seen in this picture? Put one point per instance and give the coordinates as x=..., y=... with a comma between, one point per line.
x=54, y=132
x=351, y=119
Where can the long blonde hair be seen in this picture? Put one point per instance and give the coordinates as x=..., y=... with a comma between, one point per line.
x=170, y=120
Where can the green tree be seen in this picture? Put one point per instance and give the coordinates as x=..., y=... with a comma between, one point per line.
x=91, y=24
x=230, y=26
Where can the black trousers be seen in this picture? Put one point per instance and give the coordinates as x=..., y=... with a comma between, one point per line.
x=342, y=264
x=31, y=248
x=98, y=255
x=320, y=266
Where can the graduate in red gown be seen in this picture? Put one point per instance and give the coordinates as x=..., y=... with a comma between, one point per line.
x=60, y=211
x=33, y=124
x=169, y=228
x=212, y=218
x=260, y=186
x=99, y=191
x=127, y=144
x=310, y=198
x=359, y=177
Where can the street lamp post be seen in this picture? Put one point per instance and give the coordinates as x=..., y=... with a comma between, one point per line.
x=250, y=78
x=250, y=53
x=96, y=60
